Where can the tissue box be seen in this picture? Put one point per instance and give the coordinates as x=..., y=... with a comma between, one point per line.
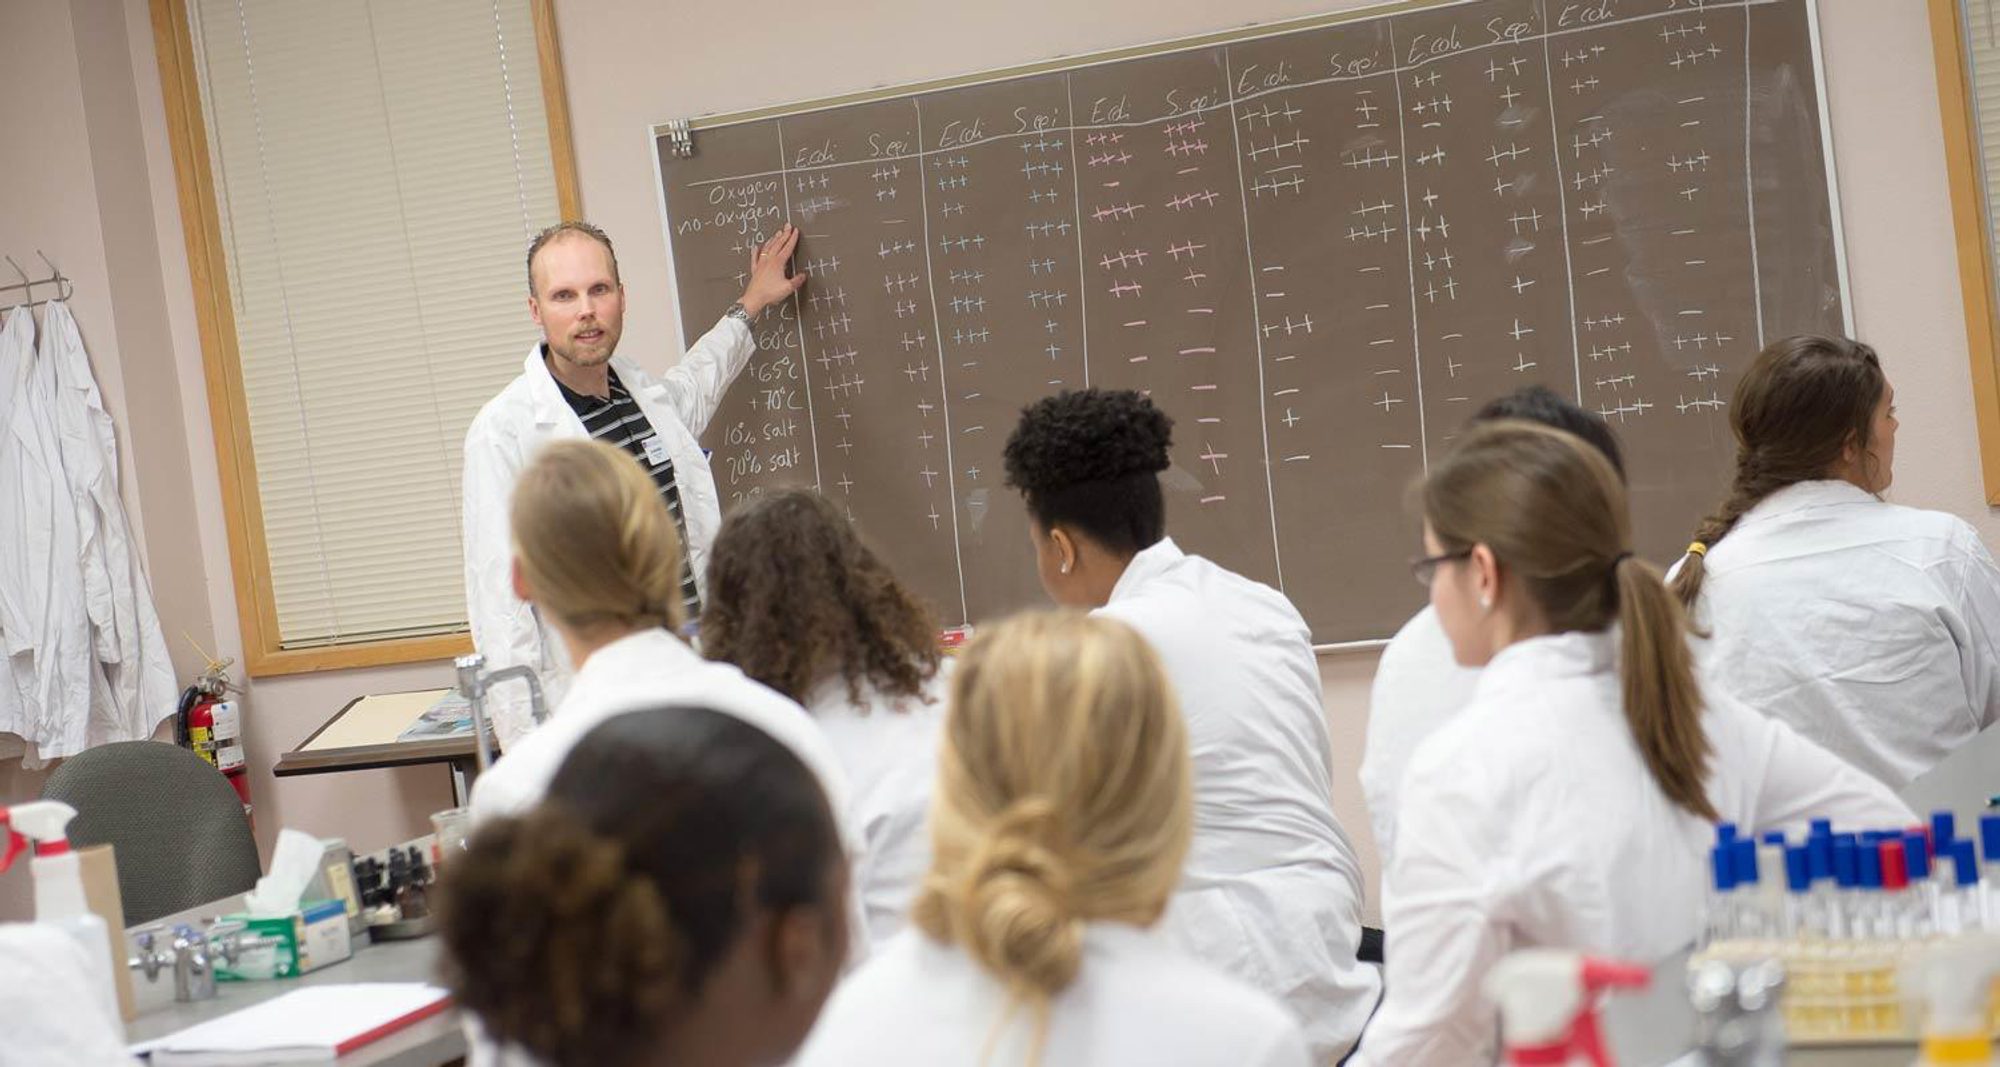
x=287, y=946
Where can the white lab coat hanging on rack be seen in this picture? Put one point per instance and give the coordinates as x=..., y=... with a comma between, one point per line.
x=43, y=619
x=135, y=689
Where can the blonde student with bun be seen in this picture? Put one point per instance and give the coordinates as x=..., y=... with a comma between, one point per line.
x=1871, y=628
x=597, y=555
x=1063, y=811
x=1571, y=803
x=675, y=899
x=801, y=604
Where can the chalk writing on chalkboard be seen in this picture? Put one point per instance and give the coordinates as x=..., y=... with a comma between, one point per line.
x=1319, y=247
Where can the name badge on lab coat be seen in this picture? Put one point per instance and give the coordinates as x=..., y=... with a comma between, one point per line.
x=656, y=450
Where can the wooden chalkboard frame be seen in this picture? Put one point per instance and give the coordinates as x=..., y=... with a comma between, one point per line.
x=692, y=125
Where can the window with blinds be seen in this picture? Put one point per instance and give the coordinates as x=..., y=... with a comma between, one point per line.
x=379, y=168
x=1982, y=57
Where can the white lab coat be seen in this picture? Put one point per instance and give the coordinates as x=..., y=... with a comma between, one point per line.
x=1870, y=628
x=44, y=620
x=650, y=669
x=1419, y=686
x=133, y=686
x=502, y=439
x=888, y=748
x=1530, y=820
x=1272, y=890
x=1135, y=1000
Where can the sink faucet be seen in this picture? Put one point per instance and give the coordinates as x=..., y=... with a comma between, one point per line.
x=193, y=955
x=474, y=680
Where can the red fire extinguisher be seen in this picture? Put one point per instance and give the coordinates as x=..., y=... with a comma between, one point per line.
x=208, y=722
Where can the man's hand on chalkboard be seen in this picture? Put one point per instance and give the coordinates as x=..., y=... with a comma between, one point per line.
x=768, y=282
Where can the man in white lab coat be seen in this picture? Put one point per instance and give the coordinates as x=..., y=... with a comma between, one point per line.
x=1272, y=890
x=572, y=384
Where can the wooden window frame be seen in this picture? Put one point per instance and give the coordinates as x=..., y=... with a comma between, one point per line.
x=1973, y=229
x=242, y=507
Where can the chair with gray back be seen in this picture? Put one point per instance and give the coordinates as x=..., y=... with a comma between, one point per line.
x=181, y=837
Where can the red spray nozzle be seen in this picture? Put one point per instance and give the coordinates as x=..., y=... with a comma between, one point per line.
x=11, y=843
x=1611, y=974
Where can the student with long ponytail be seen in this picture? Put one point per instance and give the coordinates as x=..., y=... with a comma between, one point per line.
x=1063, y=811
x=1569, y=805
x=1871, y=628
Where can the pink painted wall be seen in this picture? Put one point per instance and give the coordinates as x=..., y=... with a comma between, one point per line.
x=89, y=181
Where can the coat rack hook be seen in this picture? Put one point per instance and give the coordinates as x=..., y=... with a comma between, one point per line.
x=27, y=287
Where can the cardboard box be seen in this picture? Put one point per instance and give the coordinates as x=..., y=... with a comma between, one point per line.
x=290, y=945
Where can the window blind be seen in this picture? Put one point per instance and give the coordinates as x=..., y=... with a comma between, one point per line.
x=379, y=169
x=1982, y=40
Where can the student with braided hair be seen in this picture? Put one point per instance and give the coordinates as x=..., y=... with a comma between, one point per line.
x=1870, y=628
x=1570, y=803
x=1062, y=812
x=676, y=898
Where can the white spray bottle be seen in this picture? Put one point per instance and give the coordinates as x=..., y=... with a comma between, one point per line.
x=1548, y=1009
x=1952, y=987
x=58, y=878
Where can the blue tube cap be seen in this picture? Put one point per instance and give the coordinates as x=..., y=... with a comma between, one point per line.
x=1964, y=863
x=1916, y=855
x=1725, y=832
x=1846, y=867
x=1798, y=871
x=1989, y=836
x=1822, y=828
x=1868, y=867
x=1819, y=857
x=1743, y=860
x=1944, y=830
x=1775, y=837
x=1721, y=869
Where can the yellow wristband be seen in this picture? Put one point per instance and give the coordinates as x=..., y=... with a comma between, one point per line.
x=1697, y=549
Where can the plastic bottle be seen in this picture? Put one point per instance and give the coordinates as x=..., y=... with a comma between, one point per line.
x=1719, y=912
x=1847, y=881
x=1868, y=919
x=1959, y=900
x=59, y=898
x=1548, y=999
x=1804, y=921
x=1951, y=983
x=1920, y=909
x=1902, y=905
x=1753, y=917
x=1989, y=877
x=1773, y=887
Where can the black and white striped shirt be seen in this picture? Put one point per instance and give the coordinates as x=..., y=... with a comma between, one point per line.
x=618, y=421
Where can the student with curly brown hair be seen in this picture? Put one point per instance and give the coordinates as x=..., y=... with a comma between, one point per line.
x=1870, y=628
x=1064, y=810
x=1272, y=892
x=801, y=604
x=677, y=898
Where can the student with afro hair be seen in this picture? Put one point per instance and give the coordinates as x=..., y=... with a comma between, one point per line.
x=1272, y=891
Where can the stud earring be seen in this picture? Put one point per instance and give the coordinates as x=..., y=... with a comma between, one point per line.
x=1064, y=569
x=1485, y=602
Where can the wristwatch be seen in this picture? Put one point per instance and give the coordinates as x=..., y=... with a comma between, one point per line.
x=738, y=312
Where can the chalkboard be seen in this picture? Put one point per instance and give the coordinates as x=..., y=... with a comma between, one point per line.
x=1318, y=245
